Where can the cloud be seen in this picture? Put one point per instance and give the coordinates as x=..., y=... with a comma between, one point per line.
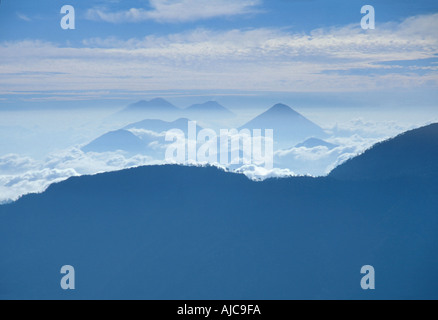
x=257, y=173
x=23, y=17
x=16, y=163
x=320, y=160
x=351, y=137
x=317, y=161
x=261, y=59
x=368, y=129
x=13, y=186
x=176, y=11
x=21, y=174
x=93, y=162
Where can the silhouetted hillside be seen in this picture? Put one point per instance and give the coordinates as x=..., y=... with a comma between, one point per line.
x=413, y=153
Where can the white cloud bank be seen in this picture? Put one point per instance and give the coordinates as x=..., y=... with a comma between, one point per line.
x=20, y=175
x=34, y=178
x=175, y=11
x=13, y=186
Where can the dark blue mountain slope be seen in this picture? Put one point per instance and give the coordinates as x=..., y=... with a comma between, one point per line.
x=412, y=153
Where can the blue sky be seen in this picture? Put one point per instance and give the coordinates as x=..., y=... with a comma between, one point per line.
x=27, y=19
x=125, y=49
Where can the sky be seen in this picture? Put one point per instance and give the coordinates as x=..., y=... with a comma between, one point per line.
x=121, y=50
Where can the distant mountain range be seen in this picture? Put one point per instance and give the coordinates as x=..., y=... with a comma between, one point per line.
x=172, y=232
x=289, y=126
x=160, y=107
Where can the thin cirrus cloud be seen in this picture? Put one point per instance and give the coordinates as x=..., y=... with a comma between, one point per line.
x=176, y=11
x=23, y=17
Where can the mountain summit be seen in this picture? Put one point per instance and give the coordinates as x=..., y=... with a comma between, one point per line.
x=289, y=126
x=281, y=108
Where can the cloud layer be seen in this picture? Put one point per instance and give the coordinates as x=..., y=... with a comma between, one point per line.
x=21, y=174
x=336, y=59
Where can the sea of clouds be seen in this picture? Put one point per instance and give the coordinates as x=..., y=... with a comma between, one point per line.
x=20, y=175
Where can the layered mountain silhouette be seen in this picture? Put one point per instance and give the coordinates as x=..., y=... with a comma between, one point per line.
x=289, y=126
x=125, y=140
x=172, y=232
